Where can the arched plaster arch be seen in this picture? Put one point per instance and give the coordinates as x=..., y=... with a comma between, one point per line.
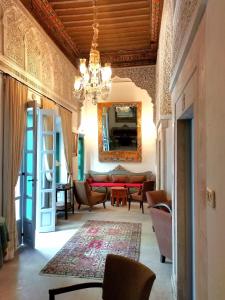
x=143, y=77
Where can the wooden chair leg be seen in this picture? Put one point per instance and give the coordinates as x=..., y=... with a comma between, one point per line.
x=129, y=204
x=104, y=204
x=142, y=206
x=79, y=205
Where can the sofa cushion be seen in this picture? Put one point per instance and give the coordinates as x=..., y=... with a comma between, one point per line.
x=120, y=178
x=136, y=178
x=100, y=178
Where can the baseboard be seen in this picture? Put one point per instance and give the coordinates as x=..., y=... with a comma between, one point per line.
x=174, y=286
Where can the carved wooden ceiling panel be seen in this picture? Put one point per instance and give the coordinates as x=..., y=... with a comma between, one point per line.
x=128, y=29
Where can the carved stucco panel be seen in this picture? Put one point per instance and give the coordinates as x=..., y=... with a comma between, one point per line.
x=58, y=74
x=14, y=30
x=46, y=65
x=184, y=12
x=164, y=63
x=31, y=49
x=143, y=77
x=33, y=53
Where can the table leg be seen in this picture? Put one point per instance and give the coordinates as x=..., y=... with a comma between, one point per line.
x=65, y=205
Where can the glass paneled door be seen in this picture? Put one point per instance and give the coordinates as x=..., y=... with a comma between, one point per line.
x=46, y=189
x=25, y=193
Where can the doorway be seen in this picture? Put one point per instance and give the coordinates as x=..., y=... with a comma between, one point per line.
x=80, y=158
x=185, y=207
x=25, y=191
x=43, y=162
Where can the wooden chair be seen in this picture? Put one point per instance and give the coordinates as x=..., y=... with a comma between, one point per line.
x=84, y=195
x=140, y=196
x=124, y=279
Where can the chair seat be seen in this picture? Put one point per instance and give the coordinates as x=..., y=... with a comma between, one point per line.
x=97, y=197
x=136, y=197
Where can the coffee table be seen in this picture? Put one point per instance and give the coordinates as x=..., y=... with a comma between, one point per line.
x=118, y=195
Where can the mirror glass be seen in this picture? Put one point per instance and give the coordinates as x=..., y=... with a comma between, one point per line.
x=119, y=127
x=119, y=131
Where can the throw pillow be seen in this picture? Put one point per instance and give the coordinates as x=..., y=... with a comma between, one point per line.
x=119, y=178
x=100, y=178
x=137, y=179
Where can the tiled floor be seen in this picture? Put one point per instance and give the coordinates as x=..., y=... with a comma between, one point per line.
x=20, y=279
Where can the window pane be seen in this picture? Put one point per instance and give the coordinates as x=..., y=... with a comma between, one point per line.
x=29, y=186
x=47, y=161
x=48, y=123
x=29, y=209
x=48, y=141
x=29, y=162
x=29, y=140
x=46, y=201
x=17, y=203
x=30, y=119
x=17, y=188
x=46, y=180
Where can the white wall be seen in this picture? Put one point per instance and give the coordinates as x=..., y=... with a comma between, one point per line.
x=122, y=90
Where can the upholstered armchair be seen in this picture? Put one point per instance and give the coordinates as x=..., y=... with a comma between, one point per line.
x=162, y=223
x=140, y=196
x=124, y=279
x=155, y=197
x=84, y=195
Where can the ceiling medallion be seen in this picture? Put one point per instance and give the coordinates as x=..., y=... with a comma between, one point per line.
x=94, y=81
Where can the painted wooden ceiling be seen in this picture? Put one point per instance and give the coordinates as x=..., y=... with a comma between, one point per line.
x=128, y=29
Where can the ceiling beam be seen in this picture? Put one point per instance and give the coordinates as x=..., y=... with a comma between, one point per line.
x=103, y=15
x=107, y=7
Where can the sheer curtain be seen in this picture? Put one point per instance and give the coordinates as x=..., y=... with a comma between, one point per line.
x=66, y=120
x=14, y=121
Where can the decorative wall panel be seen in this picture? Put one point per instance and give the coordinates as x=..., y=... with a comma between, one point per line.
x=32, y=56
x=164, y=63
x=183, y=15
x=143, y=77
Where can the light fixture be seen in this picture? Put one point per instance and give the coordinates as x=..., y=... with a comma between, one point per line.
x=94, y=81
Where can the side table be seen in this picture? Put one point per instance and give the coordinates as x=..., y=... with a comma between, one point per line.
x=119, y=194
x=65, y=188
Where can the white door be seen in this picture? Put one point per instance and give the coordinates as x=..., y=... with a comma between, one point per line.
x=46, y=189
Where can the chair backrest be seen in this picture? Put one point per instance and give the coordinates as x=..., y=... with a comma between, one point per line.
x=147, y=186
x=82, y=192
x=162, y=223
x=155, y=197
x=126, y=279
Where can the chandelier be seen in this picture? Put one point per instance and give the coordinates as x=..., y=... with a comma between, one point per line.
x=94, y=82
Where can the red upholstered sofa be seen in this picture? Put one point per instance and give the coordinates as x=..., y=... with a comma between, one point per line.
x=118, y=177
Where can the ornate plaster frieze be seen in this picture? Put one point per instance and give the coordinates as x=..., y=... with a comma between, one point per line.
x=184, y=12
x=143, y=77
x=32, y=56
x=164, y=63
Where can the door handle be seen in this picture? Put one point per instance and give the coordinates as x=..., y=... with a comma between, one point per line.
x=30, y=180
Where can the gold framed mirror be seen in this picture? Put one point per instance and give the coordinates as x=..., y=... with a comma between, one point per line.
x=119, y=131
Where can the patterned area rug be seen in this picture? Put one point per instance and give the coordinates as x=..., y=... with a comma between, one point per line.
x=85, y=253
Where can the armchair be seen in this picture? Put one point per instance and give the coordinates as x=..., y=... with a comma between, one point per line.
x=124, y=279
x=84, y=195
x=155, y=197
x=162, y=223
x=140, y=196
